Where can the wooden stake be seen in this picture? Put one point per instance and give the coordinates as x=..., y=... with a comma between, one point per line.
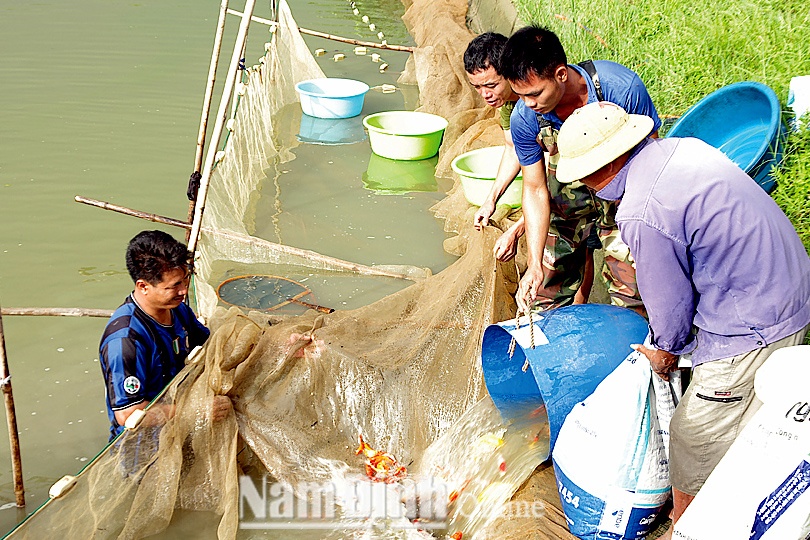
x=251, y=240
x=11, y=416
x=230, y=81
x=356, y=41
x=332, y=37
x=154, y=218
x=209, y=92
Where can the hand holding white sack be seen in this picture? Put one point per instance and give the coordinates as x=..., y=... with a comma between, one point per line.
x=611, y=456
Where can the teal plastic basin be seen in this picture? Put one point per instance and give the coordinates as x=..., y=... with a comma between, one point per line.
x=405, y=135
x=744, y=121
x=583, y=345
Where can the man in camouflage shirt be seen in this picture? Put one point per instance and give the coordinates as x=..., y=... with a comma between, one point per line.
x=561, y=218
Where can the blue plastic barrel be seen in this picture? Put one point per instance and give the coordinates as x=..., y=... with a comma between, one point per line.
x=576, y=347
x=744, y=121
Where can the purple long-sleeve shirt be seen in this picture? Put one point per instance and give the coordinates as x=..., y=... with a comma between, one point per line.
x=712, y=251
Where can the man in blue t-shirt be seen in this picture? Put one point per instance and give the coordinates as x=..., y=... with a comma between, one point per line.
x=559, y=219
x=148, y=338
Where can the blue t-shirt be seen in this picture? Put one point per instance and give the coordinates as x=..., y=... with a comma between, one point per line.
x=620, y=85
x=139, y=356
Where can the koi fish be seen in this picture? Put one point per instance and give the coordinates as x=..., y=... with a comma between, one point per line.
x=380, y=466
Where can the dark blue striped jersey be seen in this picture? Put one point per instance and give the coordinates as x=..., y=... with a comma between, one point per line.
x=139, y=356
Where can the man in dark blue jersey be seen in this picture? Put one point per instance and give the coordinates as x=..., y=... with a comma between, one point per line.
x=148, y=338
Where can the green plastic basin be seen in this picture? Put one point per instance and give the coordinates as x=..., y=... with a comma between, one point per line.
x=394, y=177
x=477, y=170
x=405, y=135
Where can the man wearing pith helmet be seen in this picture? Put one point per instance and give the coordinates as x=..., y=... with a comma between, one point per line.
x=720, y=269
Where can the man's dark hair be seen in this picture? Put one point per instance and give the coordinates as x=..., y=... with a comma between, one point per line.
x=484, y=51
x=532, y=49
x=152, y=253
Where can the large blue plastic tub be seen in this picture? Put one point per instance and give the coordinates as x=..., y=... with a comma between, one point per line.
x=331, y=97
x=744, y=121
x=576, y=347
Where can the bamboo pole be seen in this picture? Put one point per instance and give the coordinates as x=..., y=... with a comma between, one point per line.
x=234, y=97
x=154, y=218
x=250, y=240
x=57, y=312
x=209, y=93
x=356, y=41
x=230, y=81
x=11, y=417
x=274, y=9
x=331, y=37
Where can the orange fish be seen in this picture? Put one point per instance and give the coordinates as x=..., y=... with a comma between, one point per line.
x=455, y=493
x=456, y=535
x=380, y=466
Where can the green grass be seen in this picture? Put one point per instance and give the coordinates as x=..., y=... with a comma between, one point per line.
x=792, y=191
x=685, y=50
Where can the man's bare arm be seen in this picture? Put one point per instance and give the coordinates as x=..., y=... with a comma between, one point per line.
x=537, y=216
x=221, y=407
x=508, y=169
x=122, y=415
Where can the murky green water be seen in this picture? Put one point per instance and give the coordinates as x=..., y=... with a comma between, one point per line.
x=102, y=98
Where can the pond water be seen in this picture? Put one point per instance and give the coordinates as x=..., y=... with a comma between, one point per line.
x=102, y=99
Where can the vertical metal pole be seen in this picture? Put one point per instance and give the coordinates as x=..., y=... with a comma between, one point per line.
x=230, y=81
x=11, y=415
x=209, y=92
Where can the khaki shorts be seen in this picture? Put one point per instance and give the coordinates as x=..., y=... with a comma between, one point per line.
x=719, y=402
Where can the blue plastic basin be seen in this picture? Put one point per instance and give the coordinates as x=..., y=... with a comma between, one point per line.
x=332, y=97
x=744, y=121
x=332, y=131
x=585, y=344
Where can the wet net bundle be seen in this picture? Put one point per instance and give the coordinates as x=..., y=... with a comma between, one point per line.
x=404, y=372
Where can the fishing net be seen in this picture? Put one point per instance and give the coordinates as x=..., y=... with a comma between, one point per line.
x=404, y=372
x=437, y=67
x=254, y=152
x=267, y=293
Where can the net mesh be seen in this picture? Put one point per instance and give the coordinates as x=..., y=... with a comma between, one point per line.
x=404, y=371
x=437, y=67
x=253, y=152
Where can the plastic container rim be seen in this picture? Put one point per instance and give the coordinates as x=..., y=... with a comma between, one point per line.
x=365, y=88
x=472, y=174
x=773, y=125
x=443, y=122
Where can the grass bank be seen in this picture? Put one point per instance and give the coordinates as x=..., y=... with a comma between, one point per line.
x=686, y=50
